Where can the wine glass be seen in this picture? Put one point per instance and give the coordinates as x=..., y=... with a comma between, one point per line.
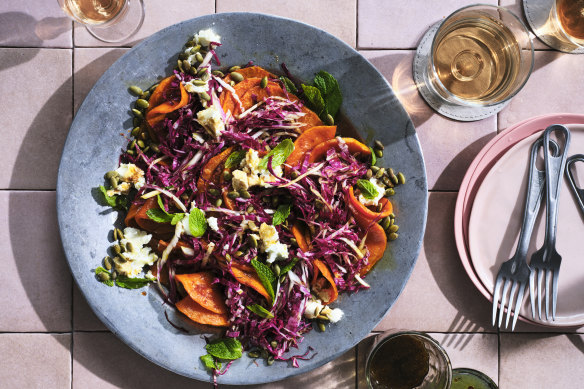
x=471, y=64
x=558, y=23
x=107, y=20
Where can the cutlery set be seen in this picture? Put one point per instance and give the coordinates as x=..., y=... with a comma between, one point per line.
x=541, y=273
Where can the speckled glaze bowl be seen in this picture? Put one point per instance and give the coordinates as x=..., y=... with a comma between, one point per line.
x=92, y=149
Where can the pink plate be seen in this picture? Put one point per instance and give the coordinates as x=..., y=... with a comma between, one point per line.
x=476, y=173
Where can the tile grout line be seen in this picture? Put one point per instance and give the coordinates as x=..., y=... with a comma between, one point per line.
x=357, y=25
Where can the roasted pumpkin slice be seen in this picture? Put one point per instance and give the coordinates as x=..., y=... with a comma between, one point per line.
x=199, y=314
x=201, y=289
x=323, y=282
x=358, y=149
x=365, y=216
x=307, y=141
x=376, y=241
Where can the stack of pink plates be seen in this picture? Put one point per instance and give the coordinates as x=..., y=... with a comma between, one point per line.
x=489, y=212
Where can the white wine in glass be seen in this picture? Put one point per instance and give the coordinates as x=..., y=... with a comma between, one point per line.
x=477, y=58
x=570, y=15
x=93, y=11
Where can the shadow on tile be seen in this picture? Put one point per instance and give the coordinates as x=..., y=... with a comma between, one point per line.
x=402, y=84
x=21, y=29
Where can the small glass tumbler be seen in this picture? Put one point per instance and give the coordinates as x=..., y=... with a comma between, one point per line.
x=471, y=64
x=566, y=22
x=107, y=20
x=407, y=359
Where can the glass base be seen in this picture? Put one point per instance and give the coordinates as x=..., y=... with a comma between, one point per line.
x=434, y=100
x=537, y=13
x=124, y=28
x=463, y=378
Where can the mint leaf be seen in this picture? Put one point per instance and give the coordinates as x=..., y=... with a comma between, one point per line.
x=158, y=215
x=102, y=270
x=288, y=84
x=267, y=277
x=373, y=157
x=234, y=159
x=131, y=283
x=210, y=362
x=314, y=99
x=226, y=348
x=330, y=92
x=281, y=214
x=197, y=223
x=120, y=202
x=289, y=266
x=279, y=154
x=368, y=190
x=162, y=216
x=260, y=311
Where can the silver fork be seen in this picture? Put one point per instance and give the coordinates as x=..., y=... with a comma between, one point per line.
x=546, y=261
x=515, y=272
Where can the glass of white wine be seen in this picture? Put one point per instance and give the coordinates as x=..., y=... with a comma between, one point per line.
x=558, y=23
x=471, y=64
x=107, y=20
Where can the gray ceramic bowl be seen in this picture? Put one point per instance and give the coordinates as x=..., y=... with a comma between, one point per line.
x=94, y=142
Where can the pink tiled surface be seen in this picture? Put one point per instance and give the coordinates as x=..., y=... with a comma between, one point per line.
x=49, y=337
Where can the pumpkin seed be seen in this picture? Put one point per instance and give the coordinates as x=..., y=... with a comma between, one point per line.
x=195, y=48
x=401, y=178
x=234, y=68
x=393, y=177
x=253, y=354
x=379, y=172
x=186, y=65
x=119, y=259
x=393, y=236
x=385, y=223
x=179, y=65
x=141, y=143
x=144, y=135
x=135, y=132
x=379, y=207
x=114, y=275
x=389, y=192
x=114, y=181
x=233, y=195
x=274, y=344
x=183, y=55
x=142, y=103
x=205, y=76
x=394, y=228
x=226, y=175
x=110, y=174
x=214, y=192
x=237, y=77
x=378, y=145
x=145, y=149
x=250, y=209
x=137, y=113
x=103, y=277
x=199, y=82
x=378, y=153
x=120, y=234
x=293, y=242
x=282, y=278
x=228, y=257
x=252, y=240
x=190, y=43
x=107, y=262
x=155, y=148
x=130, y=247
x=276, y=270
x=115, y=234
x=375, y=169
x=130, y=152
x=219, y=202
x=321, y=326
x=270, y=360
x=245, y=194
x=329, y=119
x=145, y=95
x=136, y=90
x=294, y=174
x=199, y=57
x=218, y=73
x=239, y=253
x=205, y=96
x=369, y=173
x=264, y=82
x=117, y=249
x=386, y=181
